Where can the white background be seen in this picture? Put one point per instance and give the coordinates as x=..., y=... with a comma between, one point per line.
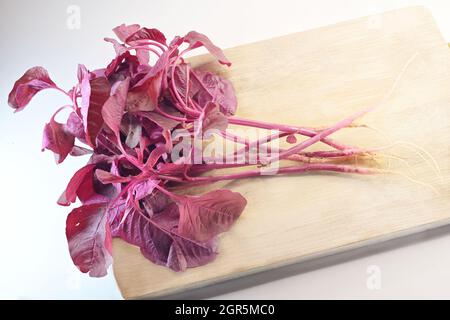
x=34, y=261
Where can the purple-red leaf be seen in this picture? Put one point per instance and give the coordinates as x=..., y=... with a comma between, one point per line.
x=85, y=89
x=89, y=239
x=215, y=89
x=114, y=107
x=106, y=143
x=91, y=111
x=138, y=99
x=143, y=56
x=196, y=39
x=132, y=128
x=118, y=47
x=115, y=171
x=212, y=118
x=123, y=31
x=87, y=191
x=70, y=194
x=142, y=35
x=147, y=34
x=159, y=242
x=56, y=139
x=144, y=188
x=106, y=177
x=74, y=126
x=81, y=185
x=78, y=151
x=160, y=120
x=205, y=216
x=160, y=66
x=145, y=96
x=33, y=81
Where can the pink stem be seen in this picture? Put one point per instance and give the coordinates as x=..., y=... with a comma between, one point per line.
x=323, y=134
x=152, y=43
x=295, y=157
x=63, y=91
x=232, y=137
x=187, y=85
x=59, y=110
x=185, y=108
x=287, y=129
x=249, y=145
x=287, y=170
x=129, y=157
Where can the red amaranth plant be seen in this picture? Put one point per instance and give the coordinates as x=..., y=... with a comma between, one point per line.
x=124, y=116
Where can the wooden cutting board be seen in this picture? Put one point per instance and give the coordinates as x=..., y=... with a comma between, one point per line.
x=318, y=77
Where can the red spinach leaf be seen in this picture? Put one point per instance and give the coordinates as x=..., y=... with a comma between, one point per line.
x=99, y=90
x=78, y=151
x=74, y=126
x=212, y=118
x=159, y=241
x=147, y=34
x=70, y=194
x=205, y=216
x=123, y=31
x=89, y=239
x=213, y=88
x=56, y=139
x=114, y=106
x=106, y=177
x=196, y=39
x=33, y=81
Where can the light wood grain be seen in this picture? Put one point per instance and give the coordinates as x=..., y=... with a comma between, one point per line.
x=318, y=77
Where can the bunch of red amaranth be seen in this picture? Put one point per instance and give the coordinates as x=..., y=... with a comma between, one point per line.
x=124, y=116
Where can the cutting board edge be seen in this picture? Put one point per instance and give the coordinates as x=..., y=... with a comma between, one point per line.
x=298, y=260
